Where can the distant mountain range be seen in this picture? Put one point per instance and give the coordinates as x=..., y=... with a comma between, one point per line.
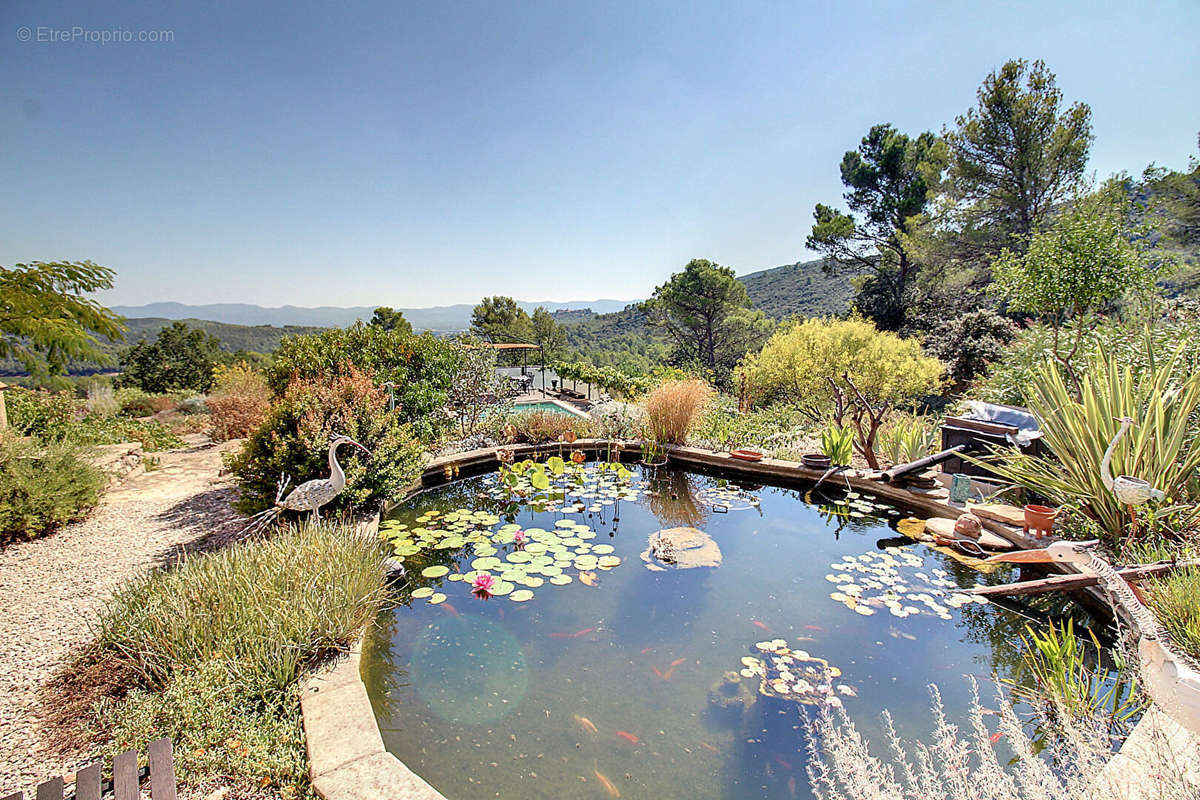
x=437, y=318
x=793, y=289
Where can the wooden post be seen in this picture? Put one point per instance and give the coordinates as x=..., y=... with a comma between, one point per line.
x=3, y=410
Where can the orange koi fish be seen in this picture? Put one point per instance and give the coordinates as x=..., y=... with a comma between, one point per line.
x=667, y=675
x=449, y=609
x=608, y=785
x=629, y=737
x=583, y=632
x=656, y=671
x=709, y=747
x=646, y=650
x=813, y=628
x=759, y=625
x=995, y=737
x=678, y=661
x=585, y=723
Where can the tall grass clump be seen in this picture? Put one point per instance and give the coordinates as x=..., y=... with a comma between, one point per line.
x=674, y=407
x=976, y=764
x=209, y=652
x=1175, y=599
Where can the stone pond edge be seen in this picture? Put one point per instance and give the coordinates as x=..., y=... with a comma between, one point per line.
x=346, y=755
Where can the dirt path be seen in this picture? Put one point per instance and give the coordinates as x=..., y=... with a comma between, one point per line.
x=50, y=589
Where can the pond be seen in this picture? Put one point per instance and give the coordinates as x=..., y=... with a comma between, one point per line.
x=602, y=668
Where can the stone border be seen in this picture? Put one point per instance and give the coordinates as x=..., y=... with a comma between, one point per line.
x=347, y=759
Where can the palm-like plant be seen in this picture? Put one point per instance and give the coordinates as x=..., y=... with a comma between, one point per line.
x=1161, y=447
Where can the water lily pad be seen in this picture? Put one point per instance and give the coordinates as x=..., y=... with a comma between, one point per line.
x=560, y=580
x=521, y=595
x=436, y=571
x=422, y=592
x=437, y=597
x=608, y=562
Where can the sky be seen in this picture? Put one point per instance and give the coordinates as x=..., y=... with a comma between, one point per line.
x=416, y=154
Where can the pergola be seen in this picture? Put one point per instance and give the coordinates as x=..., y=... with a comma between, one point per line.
x=522, y=346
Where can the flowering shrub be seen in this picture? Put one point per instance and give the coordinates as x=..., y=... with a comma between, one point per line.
x=239, y=401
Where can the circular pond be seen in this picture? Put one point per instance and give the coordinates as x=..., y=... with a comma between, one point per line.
x=563, y=642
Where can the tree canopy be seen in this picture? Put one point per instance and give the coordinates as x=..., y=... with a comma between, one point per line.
x=179, y=358
x=390, y=320
x=46, y=317
x=706, y=311
x=548, y=334
x=888, y=180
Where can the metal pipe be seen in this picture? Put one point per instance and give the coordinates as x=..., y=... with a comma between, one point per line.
x=921, y=463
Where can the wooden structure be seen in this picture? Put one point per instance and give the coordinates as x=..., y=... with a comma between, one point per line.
x=1064, y=583
x=3, y=410
x=126, y=778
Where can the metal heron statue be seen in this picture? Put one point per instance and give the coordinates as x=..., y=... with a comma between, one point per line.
x=310, y=495
x=1170, y=677
x=1127, y=489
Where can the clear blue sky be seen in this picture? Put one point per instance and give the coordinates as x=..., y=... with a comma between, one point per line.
x=413, y=154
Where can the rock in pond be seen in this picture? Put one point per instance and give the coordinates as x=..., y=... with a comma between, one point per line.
x=681, y=548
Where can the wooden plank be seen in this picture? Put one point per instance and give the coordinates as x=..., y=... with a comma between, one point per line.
x=1066, y=583
x=51, y=789
x=162, y=770
x=16, y=796
x=125, y=776
x=87, y=783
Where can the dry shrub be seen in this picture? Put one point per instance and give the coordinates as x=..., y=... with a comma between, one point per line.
x=163, y=402
x=537, y=427
x=674, y=407
x=239, y=401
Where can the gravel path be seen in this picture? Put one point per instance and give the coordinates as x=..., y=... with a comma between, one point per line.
x=50, y=589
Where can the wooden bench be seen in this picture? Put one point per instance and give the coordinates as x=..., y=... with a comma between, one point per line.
x=126, y=778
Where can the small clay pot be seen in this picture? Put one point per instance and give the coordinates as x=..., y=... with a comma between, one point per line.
x=816, y=461
x=968, y=526
x=1039, y=520
x=746, y=455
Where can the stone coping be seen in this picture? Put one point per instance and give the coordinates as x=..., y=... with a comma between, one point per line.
x=347, y=759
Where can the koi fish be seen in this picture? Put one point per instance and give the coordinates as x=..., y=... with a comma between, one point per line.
x=759, y=625
x=995, y=737
x=667, y=675
x=583, y=632
x=629, y=737
x=585, y=723
x=657, y=671
x=449, y=609
x=792, y=786
x=606, y=783
x=709, y=747
x=646, y=650
x=561, y=636
x=813, y=628
x=781, y=761
x=678, y=661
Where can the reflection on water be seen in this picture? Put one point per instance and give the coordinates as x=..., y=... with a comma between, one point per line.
x=635, y=685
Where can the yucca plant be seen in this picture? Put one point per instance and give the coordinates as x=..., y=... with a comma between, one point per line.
x=907, y=440
x=837, y=442
x=1160, y=448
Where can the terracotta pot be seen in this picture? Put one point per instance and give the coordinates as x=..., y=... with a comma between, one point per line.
x=969, y=525
x=746, y=455
x=1039, y=519
x=816, y=461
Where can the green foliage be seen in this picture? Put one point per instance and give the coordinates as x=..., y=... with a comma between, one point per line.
x=803, y=289
x=43, y=487
x=1161, y=448
x=46, y=318
x=725, y=428
x=540, y=427
x=35, y=412
x=1015, y=157
x=905, y=439
x=476, y=389
x=390, y=320
x=213, y=648
x=1068, y=679
x=622, y=340
x=967, y=343
x=422, y=367
x=55, y=417
x=1176, y=601
x=293, y=440
x=837, y=442
x=548, y=334
x=180, y=358
x=806, y=364
x=888, y=181
x=500, y=319
x=705, y=311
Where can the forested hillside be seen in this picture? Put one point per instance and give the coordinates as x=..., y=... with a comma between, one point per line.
x=802, y=289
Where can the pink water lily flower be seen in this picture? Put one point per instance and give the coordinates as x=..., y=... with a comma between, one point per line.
x=482, y=585
x=520, y=538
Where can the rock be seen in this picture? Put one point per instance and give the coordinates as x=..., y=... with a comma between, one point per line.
x=999, y=512
x=968, y=525
x=730, y=695
x=218, y=794
x=944, y=529
x=681, y=548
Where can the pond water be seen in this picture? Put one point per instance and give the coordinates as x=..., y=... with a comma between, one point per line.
x=664, y=683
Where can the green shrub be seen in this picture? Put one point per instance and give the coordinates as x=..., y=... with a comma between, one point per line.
x=422, y=367
x=153, y=436
x=294, y=439
x=837, y=442
x=725, y=428
x=213, y=649
x=134, y=402
x=42, y=488
x=1176, y=600
x=968, y=342
x=904, y=439
x=179, y=358
x=46, y=415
